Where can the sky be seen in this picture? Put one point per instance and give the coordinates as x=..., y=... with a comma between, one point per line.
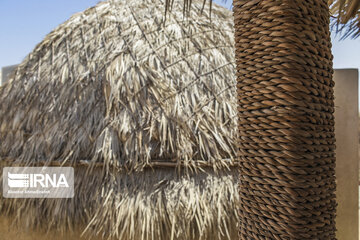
x=24, y=23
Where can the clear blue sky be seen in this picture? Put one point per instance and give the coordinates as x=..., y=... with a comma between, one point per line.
x=24, y=23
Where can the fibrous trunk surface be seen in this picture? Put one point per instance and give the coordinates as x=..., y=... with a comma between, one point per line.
x=286, y=121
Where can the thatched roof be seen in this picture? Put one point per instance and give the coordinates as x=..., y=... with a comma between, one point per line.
x=137, y=105
x=113, y=85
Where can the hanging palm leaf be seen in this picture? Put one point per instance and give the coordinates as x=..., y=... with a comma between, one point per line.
x=346, y=17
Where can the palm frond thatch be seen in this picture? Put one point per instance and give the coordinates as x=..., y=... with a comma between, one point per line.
x=116, y=87
x=144, y=109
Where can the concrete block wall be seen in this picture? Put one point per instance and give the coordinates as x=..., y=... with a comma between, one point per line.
x=347, y=160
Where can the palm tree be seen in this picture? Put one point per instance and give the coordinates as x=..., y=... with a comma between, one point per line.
x=286, y=144
x=286, y=121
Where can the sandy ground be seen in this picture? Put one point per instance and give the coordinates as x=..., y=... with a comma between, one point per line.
x=11, y=233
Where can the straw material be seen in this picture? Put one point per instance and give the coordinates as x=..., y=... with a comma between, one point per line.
x=112, y=85
x=145, y=110
x=153, y=204
x=286, y=122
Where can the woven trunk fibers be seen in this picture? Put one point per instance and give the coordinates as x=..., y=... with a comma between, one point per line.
x=286, y=121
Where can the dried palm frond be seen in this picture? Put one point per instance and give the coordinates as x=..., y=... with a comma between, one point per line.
x=346, y=16
x=113, y=86
x=149, y=205
x=144, y=109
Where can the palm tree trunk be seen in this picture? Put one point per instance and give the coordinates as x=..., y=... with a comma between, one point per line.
x=286, y=121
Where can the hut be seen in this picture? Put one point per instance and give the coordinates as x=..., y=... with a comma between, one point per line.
x=143, y=107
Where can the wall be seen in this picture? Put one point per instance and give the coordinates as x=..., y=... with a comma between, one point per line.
x=347, y=165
